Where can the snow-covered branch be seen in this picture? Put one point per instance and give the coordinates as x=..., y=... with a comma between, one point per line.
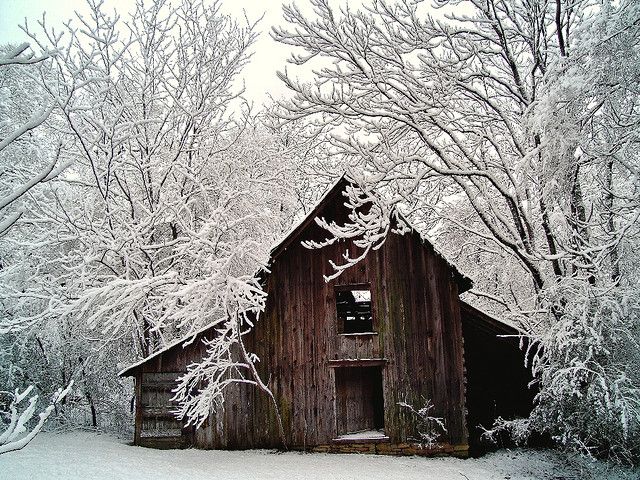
x=18, y=434
x=15, y=57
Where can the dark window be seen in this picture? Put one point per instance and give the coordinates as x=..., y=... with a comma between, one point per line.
x=354, y=309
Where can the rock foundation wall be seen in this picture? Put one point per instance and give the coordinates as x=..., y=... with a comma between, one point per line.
x=399, y=449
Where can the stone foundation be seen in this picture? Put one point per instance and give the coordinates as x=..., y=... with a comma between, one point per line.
x=399, y=449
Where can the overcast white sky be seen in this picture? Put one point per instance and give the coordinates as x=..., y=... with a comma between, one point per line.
x=260, y=75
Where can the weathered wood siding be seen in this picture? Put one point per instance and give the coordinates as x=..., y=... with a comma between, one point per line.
x=418, y=332
x=417, y=345
x=155, y=425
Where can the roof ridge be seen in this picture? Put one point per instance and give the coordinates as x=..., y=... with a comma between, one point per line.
x=274, y=250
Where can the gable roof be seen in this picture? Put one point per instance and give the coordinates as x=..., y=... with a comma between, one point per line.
x=336, y=189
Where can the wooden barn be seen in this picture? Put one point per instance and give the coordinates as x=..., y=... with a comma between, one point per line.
x=342, y=357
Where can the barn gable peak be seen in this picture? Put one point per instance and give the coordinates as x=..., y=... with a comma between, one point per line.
x=327, y=197
x=334, y=193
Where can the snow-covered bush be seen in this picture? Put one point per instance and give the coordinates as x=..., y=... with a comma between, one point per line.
x=586, y=363
x=517, y=430
x=428, y=427
x=588, y=370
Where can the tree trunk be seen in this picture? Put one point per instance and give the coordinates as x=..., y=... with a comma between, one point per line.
x=614, y=254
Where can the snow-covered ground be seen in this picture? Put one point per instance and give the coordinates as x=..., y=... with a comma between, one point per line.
x=82, y=455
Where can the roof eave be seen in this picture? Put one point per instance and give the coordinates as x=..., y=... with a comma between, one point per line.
x=500, y=326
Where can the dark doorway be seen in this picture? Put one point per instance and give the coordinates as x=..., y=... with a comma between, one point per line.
x=497, y=379
x=359, y=399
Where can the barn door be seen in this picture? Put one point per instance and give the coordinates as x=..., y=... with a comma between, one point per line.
x=359, y=400
x=160, y=428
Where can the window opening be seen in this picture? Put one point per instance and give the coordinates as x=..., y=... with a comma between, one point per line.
x=353, y=306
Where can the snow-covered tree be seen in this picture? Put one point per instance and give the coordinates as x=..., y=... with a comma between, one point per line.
x=502, y=127
x=588, y=116
x=23, y=108
x=174, y=196
x=34, y=96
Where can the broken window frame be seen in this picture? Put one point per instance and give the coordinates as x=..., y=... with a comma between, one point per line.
x=342, y=321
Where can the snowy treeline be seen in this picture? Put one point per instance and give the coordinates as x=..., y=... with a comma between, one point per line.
x=140, y=192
